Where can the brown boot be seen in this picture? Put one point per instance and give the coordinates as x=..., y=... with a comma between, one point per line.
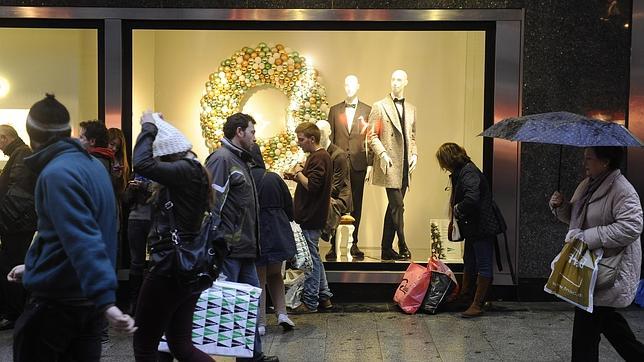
x=475, y=310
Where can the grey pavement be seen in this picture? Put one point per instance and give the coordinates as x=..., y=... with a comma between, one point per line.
x=513, y=331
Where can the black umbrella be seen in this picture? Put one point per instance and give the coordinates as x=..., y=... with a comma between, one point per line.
x=563, y=128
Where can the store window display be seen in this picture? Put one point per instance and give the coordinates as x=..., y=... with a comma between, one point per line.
x=392, y=139
x=349, y=120
x=446, y=85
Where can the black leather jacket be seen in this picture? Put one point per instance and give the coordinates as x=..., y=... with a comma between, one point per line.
x=187, y=183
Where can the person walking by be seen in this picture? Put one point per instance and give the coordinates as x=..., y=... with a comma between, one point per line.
x=471, y=206
x=236, y=200
x=138, y=199
x=276, y=240
x=93, y=136
x=166, y=303
x=311, y=207
x=605, y=212
x=120, y=171
x=17, y=221
x=341, y=201
x=69, y=267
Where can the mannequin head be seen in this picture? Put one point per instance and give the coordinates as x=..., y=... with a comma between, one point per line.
x=351, y=86
x=398, y=83
x=325, y=133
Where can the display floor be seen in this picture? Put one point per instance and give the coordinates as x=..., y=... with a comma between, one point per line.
x=377, y=332
x=372, y=255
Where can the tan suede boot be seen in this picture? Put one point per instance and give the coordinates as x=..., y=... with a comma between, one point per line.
x=475, y=310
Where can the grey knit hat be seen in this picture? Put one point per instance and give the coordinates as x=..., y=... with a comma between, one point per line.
x=169, y=140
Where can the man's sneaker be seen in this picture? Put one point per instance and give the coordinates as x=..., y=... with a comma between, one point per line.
x=261, y=330
x=326, y=304
x=286, y=323
x=302, y=309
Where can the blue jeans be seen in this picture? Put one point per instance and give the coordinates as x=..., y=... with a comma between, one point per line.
x=477, y=258
x=316, y=287
x=243, y=271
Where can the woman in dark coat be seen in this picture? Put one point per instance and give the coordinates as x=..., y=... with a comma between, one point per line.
x=471, y=204
x=276, y=240
x=166, y=304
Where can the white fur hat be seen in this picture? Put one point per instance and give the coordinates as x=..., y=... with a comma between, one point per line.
x=169, y=140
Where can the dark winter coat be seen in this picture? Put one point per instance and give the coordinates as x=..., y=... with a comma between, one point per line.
x=472, y=203
x=74, y=255
x=235, y=199
x=17, y=213
x=275, y=213
x=187, y=183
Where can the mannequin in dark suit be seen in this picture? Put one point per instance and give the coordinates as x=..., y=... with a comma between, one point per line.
x=348, y=133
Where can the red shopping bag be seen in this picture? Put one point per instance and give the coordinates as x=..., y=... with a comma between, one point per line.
x=411, y=291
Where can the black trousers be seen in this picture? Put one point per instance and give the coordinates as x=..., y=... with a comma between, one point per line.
x=12, y=252
x=588, y=327
x=357, y=190
x=48, y=331
x=165, y=306
x=394, y=218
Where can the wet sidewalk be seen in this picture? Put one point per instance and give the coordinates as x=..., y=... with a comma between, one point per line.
x=377, y=332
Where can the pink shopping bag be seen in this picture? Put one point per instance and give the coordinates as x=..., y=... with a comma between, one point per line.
x=411, y=291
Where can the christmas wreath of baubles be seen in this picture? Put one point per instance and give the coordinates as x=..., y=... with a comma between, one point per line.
x=264, y=65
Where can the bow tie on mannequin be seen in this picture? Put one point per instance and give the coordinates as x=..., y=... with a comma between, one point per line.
x=399, y=100
x=349, y=105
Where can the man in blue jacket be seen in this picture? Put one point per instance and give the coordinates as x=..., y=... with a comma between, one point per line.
x=69, y=268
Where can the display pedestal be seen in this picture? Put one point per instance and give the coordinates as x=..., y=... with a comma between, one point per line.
x=344, y=232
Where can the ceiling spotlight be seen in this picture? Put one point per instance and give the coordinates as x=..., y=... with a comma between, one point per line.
x=4, y=87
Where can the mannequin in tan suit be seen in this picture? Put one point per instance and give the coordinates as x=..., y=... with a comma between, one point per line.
x=392, y=138
x=349, y=125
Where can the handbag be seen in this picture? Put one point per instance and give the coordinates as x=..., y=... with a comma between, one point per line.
x=453, y=231
x=198, y=260
x=608, y=271
x=225, y=319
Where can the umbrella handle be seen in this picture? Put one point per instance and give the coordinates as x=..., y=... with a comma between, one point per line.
x=559, y=169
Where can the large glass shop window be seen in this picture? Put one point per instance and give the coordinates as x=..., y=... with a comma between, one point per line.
x=198, y=77
x=36, y=61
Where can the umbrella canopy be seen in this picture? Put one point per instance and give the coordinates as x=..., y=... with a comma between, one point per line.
x=563, y=128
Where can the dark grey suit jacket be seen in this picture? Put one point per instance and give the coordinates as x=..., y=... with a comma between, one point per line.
x=351, y=140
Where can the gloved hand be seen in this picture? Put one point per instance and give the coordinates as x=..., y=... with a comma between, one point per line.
x=575, y=234
x=367, y=177
x=385, y=162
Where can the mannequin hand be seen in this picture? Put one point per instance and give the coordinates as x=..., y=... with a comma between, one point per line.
x=575, y=234
x=122, y=323
x=413, y=163
x=367, y=177
x=390, y=163
x=15, y=275
x=556, y=200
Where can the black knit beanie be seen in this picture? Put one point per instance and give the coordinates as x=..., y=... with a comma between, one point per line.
x=48, y=115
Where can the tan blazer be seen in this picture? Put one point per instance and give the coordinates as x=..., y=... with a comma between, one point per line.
x=386, y=136
x=351, y=140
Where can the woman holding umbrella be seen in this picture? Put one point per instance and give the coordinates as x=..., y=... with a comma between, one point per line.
x=605, y=212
